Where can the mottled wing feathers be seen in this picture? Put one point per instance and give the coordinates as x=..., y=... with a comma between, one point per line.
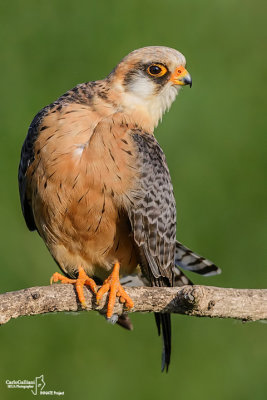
x=153, y=214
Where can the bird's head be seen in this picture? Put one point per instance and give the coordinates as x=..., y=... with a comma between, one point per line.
x=148, y=80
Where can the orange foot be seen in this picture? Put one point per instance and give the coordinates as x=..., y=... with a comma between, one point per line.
x=112, y=284
x=82, y=280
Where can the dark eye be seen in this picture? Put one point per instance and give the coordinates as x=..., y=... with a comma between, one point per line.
x=156, y=70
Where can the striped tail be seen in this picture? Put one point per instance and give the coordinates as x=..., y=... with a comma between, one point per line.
x=190, y=261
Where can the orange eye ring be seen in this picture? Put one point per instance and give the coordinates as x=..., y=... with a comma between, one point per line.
x=156, y=70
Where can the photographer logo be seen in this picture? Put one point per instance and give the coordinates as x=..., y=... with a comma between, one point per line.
x=36, y=386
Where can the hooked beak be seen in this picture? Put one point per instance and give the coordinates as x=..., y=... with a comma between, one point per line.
x=181, y=77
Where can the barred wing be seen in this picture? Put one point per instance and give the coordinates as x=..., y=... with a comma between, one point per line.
x=153, y=212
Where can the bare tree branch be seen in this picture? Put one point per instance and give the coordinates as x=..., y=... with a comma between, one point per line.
x=201, y=301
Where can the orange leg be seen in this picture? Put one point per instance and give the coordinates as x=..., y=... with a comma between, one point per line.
x=113, y=286
x=82, y=280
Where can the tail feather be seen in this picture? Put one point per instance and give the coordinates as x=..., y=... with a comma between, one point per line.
x=188, y=260
x=179, y=278
x=163, y=322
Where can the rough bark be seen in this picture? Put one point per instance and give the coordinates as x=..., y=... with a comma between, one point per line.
x=201, y=301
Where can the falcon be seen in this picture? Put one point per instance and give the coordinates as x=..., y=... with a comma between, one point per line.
x=94, y=183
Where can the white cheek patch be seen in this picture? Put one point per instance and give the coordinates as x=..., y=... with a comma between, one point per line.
x=142, y=86
x=142, y=92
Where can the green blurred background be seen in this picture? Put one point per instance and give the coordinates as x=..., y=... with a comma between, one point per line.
x=214, y=138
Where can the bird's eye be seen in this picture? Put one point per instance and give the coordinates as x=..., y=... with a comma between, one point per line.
x=156, y=70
